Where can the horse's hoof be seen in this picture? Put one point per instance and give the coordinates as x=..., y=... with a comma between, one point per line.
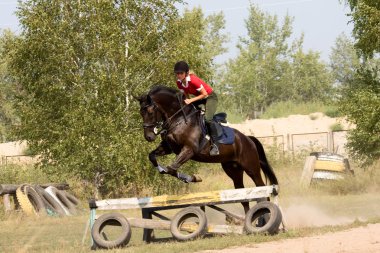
x=197, y=179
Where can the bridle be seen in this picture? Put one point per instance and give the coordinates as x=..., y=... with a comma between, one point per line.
x=156, y=125
x=163, y=127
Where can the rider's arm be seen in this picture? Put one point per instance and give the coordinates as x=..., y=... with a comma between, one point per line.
x=203, y=94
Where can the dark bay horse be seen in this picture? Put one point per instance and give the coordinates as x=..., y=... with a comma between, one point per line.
x=180, y=129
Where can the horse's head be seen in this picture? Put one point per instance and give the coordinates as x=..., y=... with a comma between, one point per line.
x=159, y=104
x=152, y=117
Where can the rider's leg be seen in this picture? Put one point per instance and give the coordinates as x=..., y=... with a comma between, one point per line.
x=211, y=104
x=212, y=129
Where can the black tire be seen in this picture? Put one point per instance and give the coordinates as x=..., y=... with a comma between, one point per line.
x=30, y=201
x=256, y=214
x=181, y=217
x=49, y=201
x=72, y=198
x=35, y=199
x=61, y=195
x=115, y=219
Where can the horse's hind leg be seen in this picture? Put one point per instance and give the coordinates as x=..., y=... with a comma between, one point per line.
x=235, y=172
x=254, y=172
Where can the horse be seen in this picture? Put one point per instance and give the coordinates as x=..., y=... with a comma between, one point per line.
x=164, y=113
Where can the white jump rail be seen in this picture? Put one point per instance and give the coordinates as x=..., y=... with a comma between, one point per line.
x=193, y=199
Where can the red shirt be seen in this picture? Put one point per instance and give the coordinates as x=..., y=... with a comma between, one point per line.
x=193, y=85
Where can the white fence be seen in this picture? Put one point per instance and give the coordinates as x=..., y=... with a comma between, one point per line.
x=334, y=141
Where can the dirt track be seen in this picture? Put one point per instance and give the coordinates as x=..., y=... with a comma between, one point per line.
x=362, y=239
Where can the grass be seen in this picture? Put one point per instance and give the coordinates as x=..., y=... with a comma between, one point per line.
x=234, y=118
x=284, y=109
x=65, y=235
x=356, y=198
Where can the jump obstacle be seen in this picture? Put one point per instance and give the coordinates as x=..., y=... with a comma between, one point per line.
x=191, y=221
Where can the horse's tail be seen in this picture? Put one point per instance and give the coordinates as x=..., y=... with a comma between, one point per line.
x=265, y=166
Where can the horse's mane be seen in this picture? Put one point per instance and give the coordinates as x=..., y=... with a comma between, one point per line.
x=161, y=88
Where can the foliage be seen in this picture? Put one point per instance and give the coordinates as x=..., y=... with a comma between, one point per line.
x=360, y=97
x=365, y=15
x=336, y=127
x=344, y=60
x=361, y=103
x=17, y=174
x=271, y=69
x=79, y=67
x=8, y=90
x=198, y=40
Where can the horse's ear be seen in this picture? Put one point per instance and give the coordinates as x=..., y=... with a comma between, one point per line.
x=141, y=98
x=136, y=97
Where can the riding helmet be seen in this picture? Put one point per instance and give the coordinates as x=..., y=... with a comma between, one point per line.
x=181, y=66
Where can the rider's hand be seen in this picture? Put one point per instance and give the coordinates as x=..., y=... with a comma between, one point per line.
x=188, y=101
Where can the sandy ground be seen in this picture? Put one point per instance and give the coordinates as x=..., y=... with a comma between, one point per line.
x=294, y=124
x=299, y=132
x=362, y=239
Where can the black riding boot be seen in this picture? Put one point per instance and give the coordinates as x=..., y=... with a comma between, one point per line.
x=212, y=128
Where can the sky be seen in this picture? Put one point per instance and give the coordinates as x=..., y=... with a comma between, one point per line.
x=322, y=21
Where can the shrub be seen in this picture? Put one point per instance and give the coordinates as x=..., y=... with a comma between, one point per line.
x=336, y=127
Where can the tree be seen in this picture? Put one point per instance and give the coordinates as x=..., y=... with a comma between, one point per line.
x=310, y=79
x=366, y=18
x=270, y=69
x=344, y=60
x=360, y=98
x=361, y=104
x=78, y=64
x=198, y=40
x=8, y=91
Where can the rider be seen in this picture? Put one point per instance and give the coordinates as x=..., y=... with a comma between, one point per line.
x=190, y=84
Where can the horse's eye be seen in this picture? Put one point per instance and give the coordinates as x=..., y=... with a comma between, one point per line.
x=150, y=109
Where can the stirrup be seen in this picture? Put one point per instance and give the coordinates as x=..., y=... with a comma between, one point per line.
x=214, y=150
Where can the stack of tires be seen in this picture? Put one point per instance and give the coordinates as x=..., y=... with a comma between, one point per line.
x=34, y=200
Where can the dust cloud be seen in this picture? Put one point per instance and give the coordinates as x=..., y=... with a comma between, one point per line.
x=307, y=215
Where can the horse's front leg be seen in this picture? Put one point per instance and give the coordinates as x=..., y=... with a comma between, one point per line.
x=161, y=150
x=185, y=155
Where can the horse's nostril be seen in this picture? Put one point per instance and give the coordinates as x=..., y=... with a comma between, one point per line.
x=149, y=138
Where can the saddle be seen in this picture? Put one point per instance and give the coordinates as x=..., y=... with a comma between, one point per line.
x=226, y=135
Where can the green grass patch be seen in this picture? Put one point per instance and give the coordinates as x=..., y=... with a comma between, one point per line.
x=284, y=109
x=234, y=118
